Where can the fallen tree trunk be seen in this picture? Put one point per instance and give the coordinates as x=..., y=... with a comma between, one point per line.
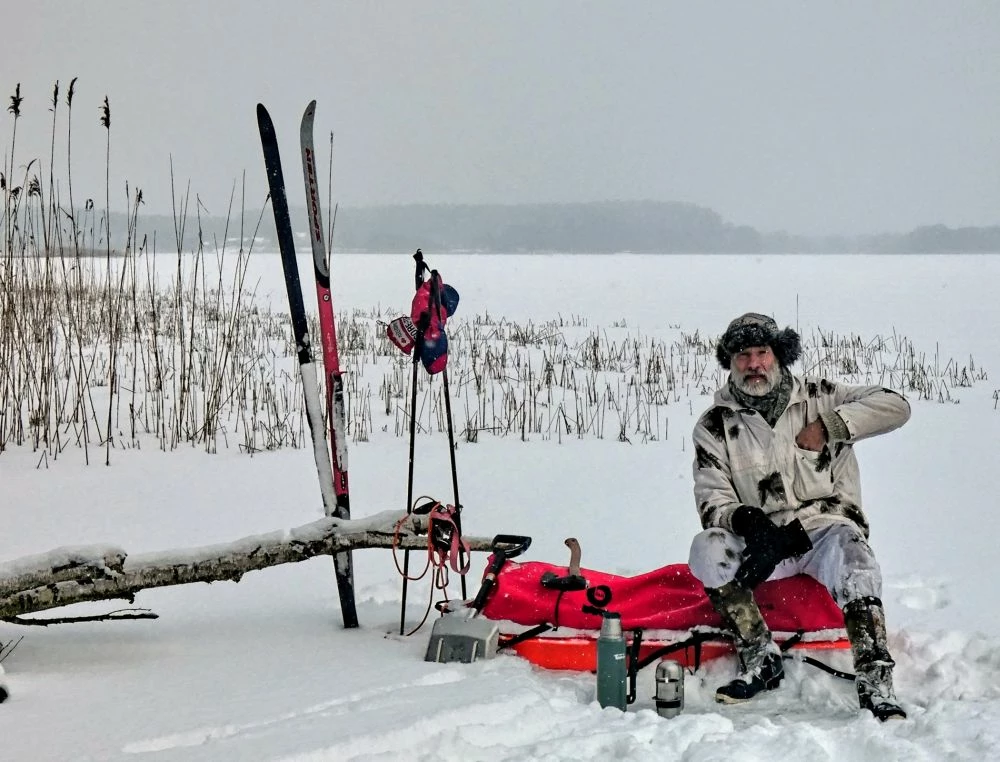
x=74, y=575
x=60, y=565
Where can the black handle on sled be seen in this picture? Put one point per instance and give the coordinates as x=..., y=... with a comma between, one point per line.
x=510, y=545
x=573, y=580
x=567, y=584
x=505, y=546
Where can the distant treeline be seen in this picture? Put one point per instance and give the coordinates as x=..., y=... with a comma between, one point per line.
x=632, y=226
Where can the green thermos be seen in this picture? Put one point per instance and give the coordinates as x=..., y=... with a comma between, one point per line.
x=611, y=664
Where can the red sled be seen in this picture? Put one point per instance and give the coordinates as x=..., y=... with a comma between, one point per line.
x=667, y=606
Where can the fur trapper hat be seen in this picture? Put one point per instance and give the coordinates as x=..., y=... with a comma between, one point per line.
x=756, y=330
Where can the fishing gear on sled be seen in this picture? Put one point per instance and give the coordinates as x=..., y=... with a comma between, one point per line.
x=543, y=598
x=463, y=635
x=421, y=334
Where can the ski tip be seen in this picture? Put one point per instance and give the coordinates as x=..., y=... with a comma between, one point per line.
x=308, y=115
x=264, y=123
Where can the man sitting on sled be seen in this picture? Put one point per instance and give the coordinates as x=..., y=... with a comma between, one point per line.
x=777, y=488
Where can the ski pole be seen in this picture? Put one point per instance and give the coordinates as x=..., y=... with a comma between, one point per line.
x=436, y=305
x=418, y=282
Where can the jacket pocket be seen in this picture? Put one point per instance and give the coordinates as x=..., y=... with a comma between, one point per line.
x=813, y=474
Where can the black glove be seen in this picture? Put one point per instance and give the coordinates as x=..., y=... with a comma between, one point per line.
x=767, y=544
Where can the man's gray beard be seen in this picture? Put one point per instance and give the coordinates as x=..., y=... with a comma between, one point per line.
x=758, y=388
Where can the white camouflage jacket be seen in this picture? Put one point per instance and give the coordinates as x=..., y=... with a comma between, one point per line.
x=739, y=459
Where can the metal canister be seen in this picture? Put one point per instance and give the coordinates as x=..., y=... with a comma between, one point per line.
x=611, y=663
x=669, y=696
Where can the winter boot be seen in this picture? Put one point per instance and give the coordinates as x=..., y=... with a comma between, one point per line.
x=760, y=660
x=864, y=619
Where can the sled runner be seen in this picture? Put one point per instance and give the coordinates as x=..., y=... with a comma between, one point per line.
x=690, y=648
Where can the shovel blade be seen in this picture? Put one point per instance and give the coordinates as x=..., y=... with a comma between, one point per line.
x=460, y=639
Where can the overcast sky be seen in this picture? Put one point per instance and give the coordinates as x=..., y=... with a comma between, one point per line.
x=811, y=117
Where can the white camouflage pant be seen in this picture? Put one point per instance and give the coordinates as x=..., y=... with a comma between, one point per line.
x=841, y=560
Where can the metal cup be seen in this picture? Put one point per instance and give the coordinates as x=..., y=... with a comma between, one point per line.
x=669, y=696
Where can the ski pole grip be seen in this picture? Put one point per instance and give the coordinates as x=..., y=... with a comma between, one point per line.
x=418, y=274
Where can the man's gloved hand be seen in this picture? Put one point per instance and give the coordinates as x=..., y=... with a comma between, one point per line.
x=767, y=544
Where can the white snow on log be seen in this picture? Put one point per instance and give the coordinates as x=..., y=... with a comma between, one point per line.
x=89, y=573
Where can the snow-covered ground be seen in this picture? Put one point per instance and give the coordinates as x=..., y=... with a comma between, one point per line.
x=261, y=670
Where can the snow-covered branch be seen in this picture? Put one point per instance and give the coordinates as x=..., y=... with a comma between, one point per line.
x=74, y=575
